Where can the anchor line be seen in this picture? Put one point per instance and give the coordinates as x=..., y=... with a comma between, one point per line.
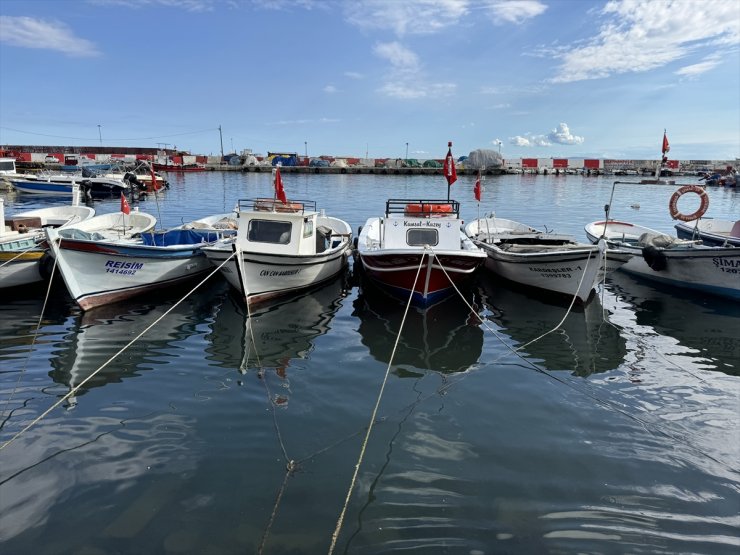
x=340, y=520
x=76, y=388
x=593, y=396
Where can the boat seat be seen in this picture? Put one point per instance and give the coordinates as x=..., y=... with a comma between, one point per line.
x=735, y=231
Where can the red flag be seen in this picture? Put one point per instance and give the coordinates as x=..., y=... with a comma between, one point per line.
x=666, y=146
x=279, y=191
x=125, y=208
x=154, y=178
x=449, y=167
x=476, y=189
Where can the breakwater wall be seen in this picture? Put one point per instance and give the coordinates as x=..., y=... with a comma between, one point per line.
x=350, y=170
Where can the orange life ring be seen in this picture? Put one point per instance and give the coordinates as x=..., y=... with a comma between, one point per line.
x=673, y=204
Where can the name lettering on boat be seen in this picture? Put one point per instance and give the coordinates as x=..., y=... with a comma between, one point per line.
x=726, y=265
x=555, y=272
x=425, y=223
x=122, y=268
x=278, y=273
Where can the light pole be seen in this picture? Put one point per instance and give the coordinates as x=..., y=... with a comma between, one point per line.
x=407, y=151
x=305, y=146
x=100, y=135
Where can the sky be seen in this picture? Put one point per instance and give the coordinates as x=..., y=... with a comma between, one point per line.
x=375, y=78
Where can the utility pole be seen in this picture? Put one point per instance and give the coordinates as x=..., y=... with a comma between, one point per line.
x=100, y=135
x=222, y=143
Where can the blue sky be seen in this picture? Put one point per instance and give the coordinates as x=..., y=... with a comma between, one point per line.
x=533, y=78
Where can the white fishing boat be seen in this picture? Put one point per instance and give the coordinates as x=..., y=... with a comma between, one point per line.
x=281, y=248
x=546, y=261
x=21, y=237
x=711, y=231
x=119, y=257
x=688, y=264
x=417, y=248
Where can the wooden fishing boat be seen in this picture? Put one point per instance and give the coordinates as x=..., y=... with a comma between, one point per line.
x=417, y=248
x=281, y=248
x=546, y=261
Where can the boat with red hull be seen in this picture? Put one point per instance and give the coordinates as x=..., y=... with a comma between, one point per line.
x=417, y=249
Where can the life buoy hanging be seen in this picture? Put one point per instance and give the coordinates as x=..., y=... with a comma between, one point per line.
x=673, y=204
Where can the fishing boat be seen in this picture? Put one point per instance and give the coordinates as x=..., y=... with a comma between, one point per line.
x=689, y=264
x=117, y=256
x=281, y=248
x=61, y=185
x=21, y=238
x=549, y=262
x=417, y=249
x=710, y=231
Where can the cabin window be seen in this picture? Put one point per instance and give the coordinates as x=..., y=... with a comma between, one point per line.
x=307, y=228
x=8, y=166
x=269, y=231
x=420, y=237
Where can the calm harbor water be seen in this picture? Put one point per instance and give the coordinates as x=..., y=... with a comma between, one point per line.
x=618, y=433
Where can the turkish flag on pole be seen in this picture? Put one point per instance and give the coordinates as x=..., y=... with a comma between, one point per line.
x=125, y=208
x=449, y=166
x=476, y=189
x=154, y=178
x=279, y=191
x=666, y=146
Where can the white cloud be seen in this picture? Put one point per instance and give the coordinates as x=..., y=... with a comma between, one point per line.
x=330, y=89
x=398, y=55
x=641, y=35
x=562, y=135
x=406, y=80
x=529, y=140
x=694, y=70
x=514, y=11
x=406, y=17
x=27, y=32
x=187, y=5
x=354, y=75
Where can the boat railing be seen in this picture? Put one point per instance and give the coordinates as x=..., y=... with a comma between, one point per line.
x=276, y=205
x=422, y=208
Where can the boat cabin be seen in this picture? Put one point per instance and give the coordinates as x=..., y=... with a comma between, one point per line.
x=269, y=226
x=7, y=166
x=413, y=224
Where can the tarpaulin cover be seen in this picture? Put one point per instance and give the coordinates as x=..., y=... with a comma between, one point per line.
x=483, y=159
x=178, y=237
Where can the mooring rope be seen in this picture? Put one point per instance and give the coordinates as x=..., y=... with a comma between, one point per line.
x=76, y=388
x=33, y=342
x=340, y=520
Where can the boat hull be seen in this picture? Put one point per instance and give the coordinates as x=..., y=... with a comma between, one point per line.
x=572, y=273
x=101, y=273
x=20, y=268
x=269, y=276
x=399, y=272
x=714, y=270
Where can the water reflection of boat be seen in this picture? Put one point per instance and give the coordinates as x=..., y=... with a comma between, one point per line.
x=97, y=335
x=444, y=337
x=702, y=322
x=282, y=331
x=585, y=344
